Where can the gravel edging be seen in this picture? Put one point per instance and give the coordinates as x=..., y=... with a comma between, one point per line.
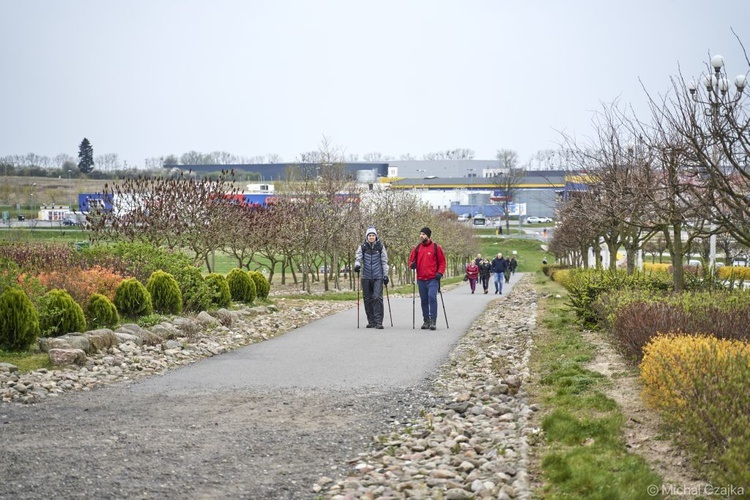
x=474, y=444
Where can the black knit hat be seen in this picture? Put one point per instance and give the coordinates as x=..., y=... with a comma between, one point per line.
x=426, y=230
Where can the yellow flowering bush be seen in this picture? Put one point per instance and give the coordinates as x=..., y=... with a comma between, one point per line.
x=733, y=273
x=699, y=384
x=657, y=268
x=561, y=276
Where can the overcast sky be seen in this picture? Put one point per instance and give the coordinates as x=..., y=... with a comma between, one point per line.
x=149, y=78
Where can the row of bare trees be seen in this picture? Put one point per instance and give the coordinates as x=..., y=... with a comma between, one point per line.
x=679, y=177
x=318, y=219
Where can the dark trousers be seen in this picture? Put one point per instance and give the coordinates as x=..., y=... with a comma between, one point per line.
x=428, y=292
x=485, y=282
x=372, y=296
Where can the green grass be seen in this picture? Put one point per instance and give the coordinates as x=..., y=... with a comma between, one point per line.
x=584, y=453
x=529, y=253
x=62, y=234
x=26, y=361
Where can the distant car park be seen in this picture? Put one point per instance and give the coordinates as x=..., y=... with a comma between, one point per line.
x=533, y=219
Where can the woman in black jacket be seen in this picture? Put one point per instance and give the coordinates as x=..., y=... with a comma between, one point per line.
x=485, y=270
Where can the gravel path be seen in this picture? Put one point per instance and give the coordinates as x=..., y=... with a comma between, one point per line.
x=460, y=433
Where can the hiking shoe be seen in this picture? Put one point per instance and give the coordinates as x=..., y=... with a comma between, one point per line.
x=433, y=325
x=370, y=325
x=379, y=327
x=426, y=324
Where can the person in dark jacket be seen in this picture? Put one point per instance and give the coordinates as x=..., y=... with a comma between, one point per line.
x=513, y=264
x=499, y=266
x=372, y=259
x=428, y=260
x=485, y=271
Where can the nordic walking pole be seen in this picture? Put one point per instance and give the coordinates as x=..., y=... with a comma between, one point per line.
x=389, y=304
x=440, y=291
x=356, y=285
x=413, y=304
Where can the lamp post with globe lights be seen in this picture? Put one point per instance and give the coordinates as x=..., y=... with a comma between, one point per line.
x=470, y=191
x=720, y=105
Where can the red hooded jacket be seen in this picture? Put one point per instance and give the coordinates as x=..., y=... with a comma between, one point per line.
x=428, y=264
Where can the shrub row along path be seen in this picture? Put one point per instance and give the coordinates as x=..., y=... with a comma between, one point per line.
x=298, y=416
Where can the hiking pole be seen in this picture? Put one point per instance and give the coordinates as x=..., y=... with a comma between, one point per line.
x=390, y=314
x=356, y=285
x=413, y=303
x=440, y=291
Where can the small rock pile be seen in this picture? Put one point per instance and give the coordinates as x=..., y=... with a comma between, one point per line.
x=475, y=445
x=88, y=360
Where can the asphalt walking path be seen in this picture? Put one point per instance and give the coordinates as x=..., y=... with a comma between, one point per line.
x=334, y=354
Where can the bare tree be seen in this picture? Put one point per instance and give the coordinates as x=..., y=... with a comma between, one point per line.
x=451, y=154
x=196, y=158
x=108, y=162
x=508, y=180
x=376, y=157
x=182, y=213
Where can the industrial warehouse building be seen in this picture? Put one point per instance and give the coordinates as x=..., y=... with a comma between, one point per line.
x=462, y=186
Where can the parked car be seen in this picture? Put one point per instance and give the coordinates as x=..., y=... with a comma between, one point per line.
x=69, y=222
x=533, y=219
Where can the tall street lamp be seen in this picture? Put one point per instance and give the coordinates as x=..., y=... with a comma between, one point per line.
x=717, y=100
x=70, y=188
x=469, y=175
x=32, y=203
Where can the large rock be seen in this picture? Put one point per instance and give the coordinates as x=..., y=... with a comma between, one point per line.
x=206, y=319
x=165, y=331
x=187, y=325
x=102, y=339
x=67, y=341
x=62, y=357
x=145, y=337
x=8, y=368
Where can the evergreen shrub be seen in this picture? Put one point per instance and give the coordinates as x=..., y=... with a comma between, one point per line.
x=241, y=286
x=101, y=312
x=262, y=287
x=60, y=314
x=196, y=294
x=166, y=297
x=19, y=320
x=132, y=299
x=585, y=287
x=220, y=294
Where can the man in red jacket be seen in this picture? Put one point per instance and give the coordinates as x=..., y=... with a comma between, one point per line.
x=428, y=260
